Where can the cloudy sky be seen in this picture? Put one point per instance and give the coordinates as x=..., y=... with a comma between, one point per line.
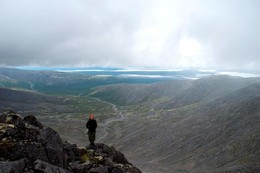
x=209, y=34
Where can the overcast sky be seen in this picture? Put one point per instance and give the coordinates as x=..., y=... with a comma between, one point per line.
x=209, y=34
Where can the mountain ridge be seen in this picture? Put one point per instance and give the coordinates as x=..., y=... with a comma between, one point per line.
x=189, y=91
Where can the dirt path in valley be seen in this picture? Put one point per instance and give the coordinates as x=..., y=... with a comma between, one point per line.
x=108, y=122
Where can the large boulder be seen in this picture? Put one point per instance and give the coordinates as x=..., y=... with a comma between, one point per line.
x=45, y=167
x=31, y=120
x=10, y=117
x=53, y=146
x=112, y=153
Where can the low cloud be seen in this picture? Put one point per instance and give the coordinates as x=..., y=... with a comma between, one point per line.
x=176, y=34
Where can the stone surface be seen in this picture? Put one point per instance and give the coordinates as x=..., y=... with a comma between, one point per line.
x=53, y=146
x=48, y=168
x=30, y=119
x=12, y=167
x=101, y=169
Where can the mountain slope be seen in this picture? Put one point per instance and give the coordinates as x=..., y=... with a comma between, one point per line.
x=173, y=93
x=29, y=101
x=220, y=133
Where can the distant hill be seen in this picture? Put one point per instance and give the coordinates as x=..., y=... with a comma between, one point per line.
x=172, y=93
x=54, y=82
x=29, y=101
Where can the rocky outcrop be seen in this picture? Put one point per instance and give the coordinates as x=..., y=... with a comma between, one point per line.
x=26, y=147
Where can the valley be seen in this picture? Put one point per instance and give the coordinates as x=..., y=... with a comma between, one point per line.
x=209, y=124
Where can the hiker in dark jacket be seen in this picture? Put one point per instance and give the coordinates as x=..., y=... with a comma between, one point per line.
x=91, y=126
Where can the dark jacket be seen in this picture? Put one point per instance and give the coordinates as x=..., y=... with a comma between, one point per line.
x=91, y=125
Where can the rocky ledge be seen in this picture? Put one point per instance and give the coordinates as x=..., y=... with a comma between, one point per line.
x=27, y=146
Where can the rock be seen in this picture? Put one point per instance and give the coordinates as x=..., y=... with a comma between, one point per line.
x=53, y=146
x=16, y=120
x=71, y=151
x=101, y=169
x=117, y=170
x=110, y=152
x=30, y=119
x=107, y=162
x=10, y=117
x=18, y=150
x=12, y=167
x=81, y=168
x=2, y=118
x=10, y=131
x=30, y=134
x=49, y=168
x=34, y=151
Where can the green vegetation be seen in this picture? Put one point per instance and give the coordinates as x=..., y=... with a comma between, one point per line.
x=12, y=83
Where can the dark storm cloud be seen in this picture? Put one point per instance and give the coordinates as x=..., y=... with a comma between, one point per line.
x=171, y=33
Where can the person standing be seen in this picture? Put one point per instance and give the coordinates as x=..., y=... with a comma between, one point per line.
x=91, y=126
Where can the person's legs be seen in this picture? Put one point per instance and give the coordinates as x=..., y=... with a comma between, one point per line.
x=91, y=137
